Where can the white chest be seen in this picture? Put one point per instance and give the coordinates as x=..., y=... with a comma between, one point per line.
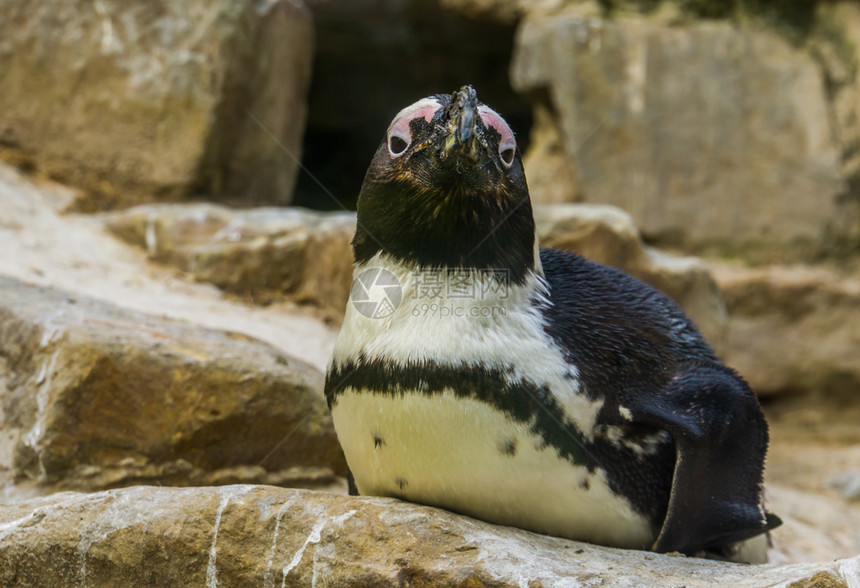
x=461, y=453
x=493, y=325
x=465, y=456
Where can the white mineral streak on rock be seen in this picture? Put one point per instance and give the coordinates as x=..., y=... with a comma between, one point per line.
x=236, y=493
x=50, y=331
x=122, y=512
x=211, y=571
x=325, y=555
x=850, y=570
x=269, y=580
x=149, y=234
x=314, y=537
x=110, y=43
x=46, y=374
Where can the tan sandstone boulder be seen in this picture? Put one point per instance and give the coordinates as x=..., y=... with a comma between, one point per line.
x=152, y=100
x=94, y=396
x=793, y=329
x=707, y=132
x=264, y=254
x=264, y=536
x=608, y=235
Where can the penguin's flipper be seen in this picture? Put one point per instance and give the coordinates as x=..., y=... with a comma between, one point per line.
x=720, y=438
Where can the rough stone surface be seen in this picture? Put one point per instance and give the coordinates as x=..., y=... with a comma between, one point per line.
x=513, y=10
x=255, y=535
x=608, y=235
x=306, y=256
x=835, y=45
x=848, y=483
x=793, y=329
x=264, y=253
x=145, y=100
x=95, y=396
x=707, y=133
x=74, y=252
x=814, y=442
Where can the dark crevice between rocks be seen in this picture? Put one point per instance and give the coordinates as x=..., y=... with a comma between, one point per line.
x=375, y=57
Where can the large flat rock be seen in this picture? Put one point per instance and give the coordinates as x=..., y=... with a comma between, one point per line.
x=151, y=100
x=94, y=396
x=263, y=254
x=793, y=328
x=265, y=536
x=707, y=132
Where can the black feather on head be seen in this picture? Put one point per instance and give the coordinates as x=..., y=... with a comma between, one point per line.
x=446, y=188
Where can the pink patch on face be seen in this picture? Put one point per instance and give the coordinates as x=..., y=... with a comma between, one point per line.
x=507, y=142
x=399, y=133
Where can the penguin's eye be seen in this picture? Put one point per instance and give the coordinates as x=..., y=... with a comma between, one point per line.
x=399, y=135
x=398, y=144
x=507, y=156
x=507, y=143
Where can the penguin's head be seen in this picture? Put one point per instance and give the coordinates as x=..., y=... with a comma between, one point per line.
x=446, y=188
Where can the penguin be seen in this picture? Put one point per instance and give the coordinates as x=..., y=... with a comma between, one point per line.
x=528, y=387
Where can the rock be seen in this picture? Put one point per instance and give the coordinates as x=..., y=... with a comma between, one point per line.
x=264, y=254
x=707, y=133
x=74, y=253
x=608, y=235
x=848, y=483
x=513, y=10
x=835, y=44
x=306, y=256
x=139, y=101
x=793, y=329
x=254, y=535
x=96, y=396
x=550, y=176
x=814, y=527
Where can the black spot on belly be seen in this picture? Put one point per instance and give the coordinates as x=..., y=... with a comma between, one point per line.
x=583, y=483
x=508, y=447
x=378, y=442
x=401, y=483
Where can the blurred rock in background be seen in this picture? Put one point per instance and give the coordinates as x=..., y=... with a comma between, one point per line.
x=715, y=134
x=705, y=133
x=608, y=235
x=261, y=254
x=793, y=330
x=156, y=100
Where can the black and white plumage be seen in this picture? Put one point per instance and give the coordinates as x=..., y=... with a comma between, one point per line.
x=582, y=404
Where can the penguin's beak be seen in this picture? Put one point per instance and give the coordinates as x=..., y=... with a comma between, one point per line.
x=461, y=138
